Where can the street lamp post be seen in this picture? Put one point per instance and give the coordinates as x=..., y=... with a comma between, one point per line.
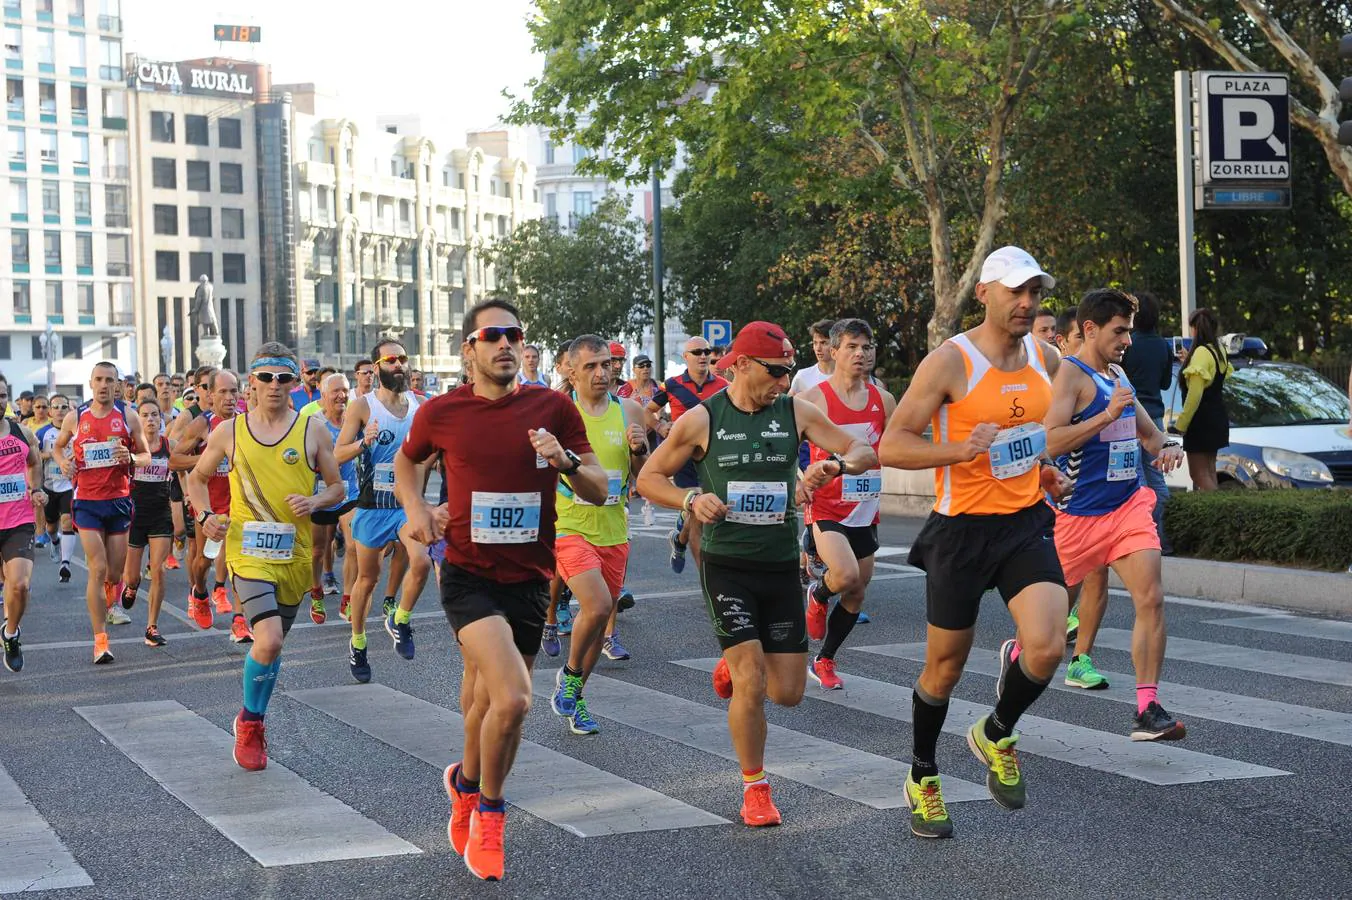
x=48, y=341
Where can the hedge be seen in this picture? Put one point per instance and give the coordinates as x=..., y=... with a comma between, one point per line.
x=1305, y=528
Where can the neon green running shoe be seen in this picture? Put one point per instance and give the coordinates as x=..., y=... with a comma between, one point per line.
x=1082, y=674
x=929, y=816
x=1004, y=780
x=1073, y=624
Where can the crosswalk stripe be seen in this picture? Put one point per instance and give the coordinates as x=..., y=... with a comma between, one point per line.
x=865, y=778
x=1217, y=706
x=566, y=792
x=1115, y=754
x=1248, y=659
x=35, y=859
x=274, y=815
x=1300, y=626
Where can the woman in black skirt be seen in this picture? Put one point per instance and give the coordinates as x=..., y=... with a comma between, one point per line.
x=1204, y=423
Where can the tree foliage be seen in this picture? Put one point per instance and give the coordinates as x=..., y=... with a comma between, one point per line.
x=592, y=279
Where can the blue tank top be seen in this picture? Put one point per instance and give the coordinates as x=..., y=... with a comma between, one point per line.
x=347, y=470
x=375, y=464
x=1106, y=470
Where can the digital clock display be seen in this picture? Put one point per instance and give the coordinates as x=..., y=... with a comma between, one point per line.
x=242, y=34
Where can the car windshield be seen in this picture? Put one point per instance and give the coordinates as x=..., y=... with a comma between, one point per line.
x=1266, y=395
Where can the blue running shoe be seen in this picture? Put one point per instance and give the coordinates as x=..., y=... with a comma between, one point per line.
x=357, y=664
x=581, y=721
x=677, y=551
x=403, y=637
x=565, y=612
x=549, y=641
x=626, y=599
x=863, y=618
x=613, y=649
x=42, y=540
x=567, y=693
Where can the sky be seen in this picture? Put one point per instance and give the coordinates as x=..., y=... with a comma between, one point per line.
x=446, y=60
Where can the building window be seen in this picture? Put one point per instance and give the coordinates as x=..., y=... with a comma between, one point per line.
x=199, y=264
x=580, y=153
x=55, y=301
x=13, y=42
x=49, y=154
x=195, y=131
x=166, y=219
x=232, y=268
x=84, y=250
x=199, y=175
x=14, y=96
x=4, y=347
x=115, y=213
x=110, y=53
x=582, y=204
x=51, y=198
x=164, y=173
x=51, y=248
x=46, y=48
x=84, y=294
x=18, y=200
x=460, y=180
x=549, y=153
x=199, y=221
x=18, y=145
x=166, y=265
x=228, y=133
x=119, y=255
x=18, y=248
x=47, y=97
x=23, y=300
x=83, y=202
x=81, y=148
x=79, y=100
x=232, y=223
x=161, y=126
x=72, y=346
x=232, y=178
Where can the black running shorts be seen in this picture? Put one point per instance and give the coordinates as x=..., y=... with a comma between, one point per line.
x=466, y=598
x=965, y=555
x=150, y=521
x=863, y=538
x=58, y=505
x=16, y=542
x=753, y=601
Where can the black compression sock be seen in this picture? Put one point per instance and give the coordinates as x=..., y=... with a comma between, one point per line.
x=838, y=627
x=927, y=720
x=1020, y=692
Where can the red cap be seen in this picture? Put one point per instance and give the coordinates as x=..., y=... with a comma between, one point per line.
x=763, y=340
x=617, y=350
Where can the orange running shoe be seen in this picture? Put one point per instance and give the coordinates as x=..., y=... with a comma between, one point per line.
x=723, y=680
x=483, y=851
x=239, y=631
x=462, y=805
x=200, y=611
x=222, y=600
x=758, y=810
x=251, y=744
x=111, y=592
x=172, y=562
x=318, y=614
x=102, y=655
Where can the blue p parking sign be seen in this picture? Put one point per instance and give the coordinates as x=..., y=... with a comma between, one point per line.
x=718, y=332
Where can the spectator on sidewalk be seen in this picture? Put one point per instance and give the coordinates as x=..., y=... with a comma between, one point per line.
x=1149, y=366
x=1204, y=423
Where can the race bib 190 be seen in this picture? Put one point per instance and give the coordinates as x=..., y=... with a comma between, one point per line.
x=1016, y=451
x=757, y=502
x=503, y=518
x=268, y=540
x=858, y=488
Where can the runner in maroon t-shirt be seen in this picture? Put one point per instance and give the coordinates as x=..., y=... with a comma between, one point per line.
x=503, y=448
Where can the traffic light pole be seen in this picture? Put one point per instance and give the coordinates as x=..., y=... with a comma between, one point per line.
x=659, y=315
x=1187, y=261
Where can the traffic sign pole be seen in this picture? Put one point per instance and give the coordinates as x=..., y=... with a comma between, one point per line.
x=1187, y=261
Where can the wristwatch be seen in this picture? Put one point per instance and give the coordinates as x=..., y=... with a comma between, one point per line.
x=839, y=461
x=574, y=459
x=203, y=516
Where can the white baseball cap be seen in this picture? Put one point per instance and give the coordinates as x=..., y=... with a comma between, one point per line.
x=1012, y=267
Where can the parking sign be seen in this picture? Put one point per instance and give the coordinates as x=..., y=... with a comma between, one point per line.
x=718, y=332
x=1245, y=130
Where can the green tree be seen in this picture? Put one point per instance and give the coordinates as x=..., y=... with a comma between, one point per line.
x=592, y=279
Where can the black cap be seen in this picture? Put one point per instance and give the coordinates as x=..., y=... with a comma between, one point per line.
x=643, y=360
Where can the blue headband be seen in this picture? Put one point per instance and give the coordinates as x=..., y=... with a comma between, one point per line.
x=275, y=361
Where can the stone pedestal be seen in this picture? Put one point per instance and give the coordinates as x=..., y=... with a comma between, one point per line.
x=210, y=352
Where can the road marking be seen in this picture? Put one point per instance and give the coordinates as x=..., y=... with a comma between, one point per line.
x=274, y=815
x=1248, y=659
x=1301, y=626
x=1217, y=706
x=165, y=606
x=893, y=551
x=865, y=778
x=35, y=859
x=1116, y=754
x=566, y=792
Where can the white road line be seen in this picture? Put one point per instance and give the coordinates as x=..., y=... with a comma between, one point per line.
x=1217, y=706
x=1248, y=659
x=34, y=857
x=865, y=778
x=566, y=792
x=274, y=815
x=1300, y=626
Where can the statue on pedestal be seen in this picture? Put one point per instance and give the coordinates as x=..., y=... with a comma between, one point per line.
x=210, y=350
x=167, y=350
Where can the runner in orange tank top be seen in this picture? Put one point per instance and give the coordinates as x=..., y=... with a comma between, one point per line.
x=984, y=393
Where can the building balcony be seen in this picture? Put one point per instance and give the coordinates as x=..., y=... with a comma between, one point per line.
x=111, y=73
x=115, y=123
x=119, y=269
x=312, y=172
x=407, y=318
x=121, y=317
x=323, y=313
x=112, y=24
x=13, y=9
x=116, y=173
x=319, y=266
x=116, y=220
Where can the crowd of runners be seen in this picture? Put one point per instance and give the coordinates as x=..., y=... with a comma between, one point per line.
x=290, y=483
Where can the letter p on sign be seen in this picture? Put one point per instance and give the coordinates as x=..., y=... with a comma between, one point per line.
x=1259, y=127
x=718, y=332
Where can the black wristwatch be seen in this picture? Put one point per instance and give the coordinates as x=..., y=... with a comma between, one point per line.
x=203, y=516
x=574, y=459
x=839, y=461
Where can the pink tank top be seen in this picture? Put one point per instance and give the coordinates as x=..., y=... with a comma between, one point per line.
x=15, y=507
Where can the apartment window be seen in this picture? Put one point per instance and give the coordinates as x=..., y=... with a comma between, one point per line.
x=166, y=219
x=119, y=255
x=72, y=346
x=76, y=56
x=199, y=175
x=580, y=153
x=582, y=204
x=18, y=200
x=51, y=198
x=228, y=133
x=163, y=173
x=455, y=220
x=56, y=305
x=46, y=47
x=460, y=180
x=51, y=248
x=79, y=100
x=232, y=223
x=84, y=206
x=476, y=184
x=13, y=42
x=46, y=7
x=18, y=145
x=161, y=126
x=81, y=148
x=493, y=186
x=110, y=55
x=14, y=94
x=166, y=265
x=84, y=250
x=5, y=350
x=84, y=298
x=199, y=264
x=47, y=97
x=549, y=153
x=49, y=154
x=195, y=131
x=199, y=221
x=232, y=268
x=232, y=178
x=114, y=104
x=403, y=212
x=23, y=302
x=18, y=248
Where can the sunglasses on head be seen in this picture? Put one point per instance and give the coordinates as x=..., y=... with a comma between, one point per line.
x=774, y=370
x=705, y=352
x=279, y=377
x=392, y=358
x=493, y=333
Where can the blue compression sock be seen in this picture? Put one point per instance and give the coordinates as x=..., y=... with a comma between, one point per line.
x=259, y=681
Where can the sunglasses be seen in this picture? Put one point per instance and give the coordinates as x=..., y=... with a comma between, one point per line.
x=391, y=359
x=493, y=333
x=643, y=365
x=279, y=377
x=775, y=371
x=705, y=352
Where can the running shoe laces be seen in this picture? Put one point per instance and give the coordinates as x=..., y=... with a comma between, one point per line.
x=491, y=826
x=932, y=802
x=1005, y=760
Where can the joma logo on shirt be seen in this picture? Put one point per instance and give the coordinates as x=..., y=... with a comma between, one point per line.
x=1012, y=388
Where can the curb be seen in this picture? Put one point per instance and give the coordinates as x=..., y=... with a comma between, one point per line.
x=1325, y=593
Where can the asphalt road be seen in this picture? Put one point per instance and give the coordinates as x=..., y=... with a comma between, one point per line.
x=1102, y=819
